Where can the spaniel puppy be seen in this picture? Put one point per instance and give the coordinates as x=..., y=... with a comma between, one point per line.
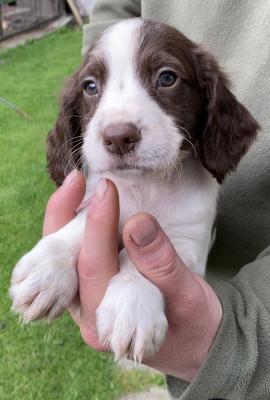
x=152, y=111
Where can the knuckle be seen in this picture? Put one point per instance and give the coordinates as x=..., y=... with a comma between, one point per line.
x=163, y=259
x=93, y=217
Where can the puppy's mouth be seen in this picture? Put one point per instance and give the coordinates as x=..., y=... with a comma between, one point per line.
x=137, y=165
x=127, y=163
x=126, y=170
x=127, y=167
x=140, y=165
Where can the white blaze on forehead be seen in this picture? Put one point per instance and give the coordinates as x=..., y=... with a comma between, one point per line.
x=119, y=42
x=118, y=45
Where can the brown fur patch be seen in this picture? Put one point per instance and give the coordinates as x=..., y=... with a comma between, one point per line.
x=66, y=138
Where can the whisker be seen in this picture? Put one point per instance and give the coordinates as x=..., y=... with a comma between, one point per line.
x=185, y=130
x=192, y=145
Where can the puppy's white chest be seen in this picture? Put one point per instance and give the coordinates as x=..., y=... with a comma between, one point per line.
x=151, y=199
x=162, y=200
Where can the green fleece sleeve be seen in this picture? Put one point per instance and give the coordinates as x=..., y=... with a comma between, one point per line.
x=105, y=13
x=238, y=365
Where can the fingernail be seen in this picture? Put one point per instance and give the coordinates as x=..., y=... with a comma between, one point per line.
x=101, y=188
x=69, y=178
x=144, y=232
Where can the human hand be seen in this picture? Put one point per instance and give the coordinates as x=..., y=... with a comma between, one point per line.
x=192, y=308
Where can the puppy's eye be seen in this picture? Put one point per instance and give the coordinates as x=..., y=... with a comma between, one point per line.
x=90, y=87
x=166, y=79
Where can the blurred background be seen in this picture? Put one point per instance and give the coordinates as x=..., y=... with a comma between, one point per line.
x=40, y=45
x=18, y=16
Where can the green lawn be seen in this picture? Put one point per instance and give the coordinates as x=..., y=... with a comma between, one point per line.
x=41, y=361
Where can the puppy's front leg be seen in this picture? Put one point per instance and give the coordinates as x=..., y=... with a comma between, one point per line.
x=131, y=315
x=44, y=281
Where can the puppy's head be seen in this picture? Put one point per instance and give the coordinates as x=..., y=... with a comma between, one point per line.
x=143, y=94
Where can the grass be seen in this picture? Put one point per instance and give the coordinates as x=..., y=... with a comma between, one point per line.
x=42, y=361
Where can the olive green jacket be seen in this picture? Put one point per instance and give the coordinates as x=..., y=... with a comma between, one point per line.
x=238, y=33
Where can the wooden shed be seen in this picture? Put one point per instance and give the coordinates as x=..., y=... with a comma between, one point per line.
x=17, y=16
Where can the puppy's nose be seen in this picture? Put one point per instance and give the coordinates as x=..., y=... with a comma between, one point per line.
x=121, y=138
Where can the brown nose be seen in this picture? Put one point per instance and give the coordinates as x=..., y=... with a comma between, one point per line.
x=121, y=138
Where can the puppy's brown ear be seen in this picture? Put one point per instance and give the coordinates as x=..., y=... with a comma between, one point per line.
x=64, y=140
x=229, y=128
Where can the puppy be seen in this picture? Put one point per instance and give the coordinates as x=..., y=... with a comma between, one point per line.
x=152, y=111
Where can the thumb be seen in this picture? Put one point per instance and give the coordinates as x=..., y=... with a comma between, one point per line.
x=155, y=257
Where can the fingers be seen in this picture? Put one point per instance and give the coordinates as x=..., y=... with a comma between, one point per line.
x=98, y=260
x=62, y=205
x=155, y=257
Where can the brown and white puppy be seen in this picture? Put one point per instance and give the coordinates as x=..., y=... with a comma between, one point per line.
x=153, y=112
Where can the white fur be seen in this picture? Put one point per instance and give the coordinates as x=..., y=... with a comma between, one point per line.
x=45, y=281
x=183, y=201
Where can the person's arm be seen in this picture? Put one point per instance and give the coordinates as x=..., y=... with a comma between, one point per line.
x=238, y=365
x=105, y=13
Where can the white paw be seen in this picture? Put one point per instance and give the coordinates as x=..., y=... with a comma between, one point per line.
x=44, y=281
x=130, y=318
